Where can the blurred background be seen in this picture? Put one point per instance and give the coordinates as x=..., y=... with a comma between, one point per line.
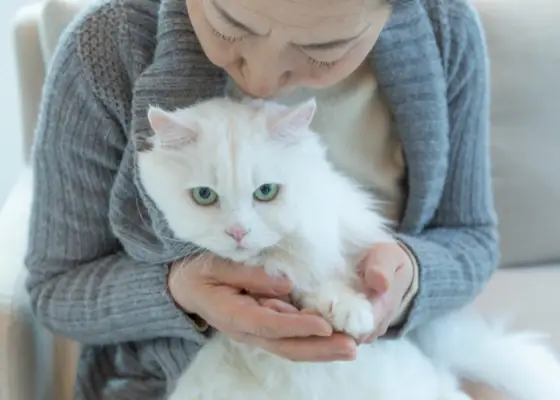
x=11, y=158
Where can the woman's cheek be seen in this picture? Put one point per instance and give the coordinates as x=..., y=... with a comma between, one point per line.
x=322, y=77
x=220, y=54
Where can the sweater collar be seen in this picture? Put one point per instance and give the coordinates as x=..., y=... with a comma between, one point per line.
x=408, y=67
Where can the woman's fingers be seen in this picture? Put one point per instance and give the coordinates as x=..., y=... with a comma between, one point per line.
x=244, y=315
x=278, y=305
x=368, y=339
x=338, y=347
x=309, y=348
x=271, y=324
x=253, y=280
x=380, y=265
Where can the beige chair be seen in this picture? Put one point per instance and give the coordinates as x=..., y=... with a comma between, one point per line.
x=33, y=363
x=523, y=37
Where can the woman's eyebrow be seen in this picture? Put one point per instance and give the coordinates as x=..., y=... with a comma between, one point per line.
x=329, y=45
x=332, y=44
x=225, y=15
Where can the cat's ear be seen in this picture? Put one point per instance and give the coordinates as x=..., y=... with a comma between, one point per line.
x=170, y=133
x=294, y=119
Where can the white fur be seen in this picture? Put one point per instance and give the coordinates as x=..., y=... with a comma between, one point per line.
x=313, y=231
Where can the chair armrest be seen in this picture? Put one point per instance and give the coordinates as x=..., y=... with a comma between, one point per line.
x=14, y=219
x=36, y=364
x=17, y=336
x=30, y=70
x=40, y=365
x=36, y=32
x=56, y=16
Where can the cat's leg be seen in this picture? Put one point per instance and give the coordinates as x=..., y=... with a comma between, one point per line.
x=187, y=387
x=344, y=307
x=212, y=373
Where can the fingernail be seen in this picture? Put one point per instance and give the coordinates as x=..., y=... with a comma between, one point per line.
x=282, y=282
x=280, y=276
x=326, y=332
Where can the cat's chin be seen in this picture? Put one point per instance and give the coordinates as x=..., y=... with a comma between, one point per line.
x=249, y=257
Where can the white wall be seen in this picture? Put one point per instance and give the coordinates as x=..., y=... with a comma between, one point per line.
x=10, y=143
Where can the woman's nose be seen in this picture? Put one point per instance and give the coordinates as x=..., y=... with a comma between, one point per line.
x=263, y=78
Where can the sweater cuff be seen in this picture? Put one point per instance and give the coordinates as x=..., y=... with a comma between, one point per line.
x=177, y=323
x=406, y=303
x=111, y=300
x=197, y=321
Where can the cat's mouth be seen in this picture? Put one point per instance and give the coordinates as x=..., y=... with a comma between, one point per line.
x=246, y=250
x=245, y=254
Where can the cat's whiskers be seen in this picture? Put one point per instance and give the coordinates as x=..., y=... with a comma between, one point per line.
x=206, y=256
x=147, y=228
x=193, y=258
x=287, y=249
x=142, y=241
x=178, y=165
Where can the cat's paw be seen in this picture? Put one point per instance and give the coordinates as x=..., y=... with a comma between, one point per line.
x=347, y=311
x=353, y=314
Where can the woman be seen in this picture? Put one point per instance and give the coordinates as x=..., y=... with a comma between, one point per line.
x=401, y=85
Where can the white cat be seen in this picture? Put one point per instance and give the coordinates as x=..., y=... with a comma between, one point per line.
x=251, y=182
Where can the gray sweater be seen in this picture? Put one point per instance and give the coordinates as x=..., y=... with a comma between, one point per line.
x=99, y=249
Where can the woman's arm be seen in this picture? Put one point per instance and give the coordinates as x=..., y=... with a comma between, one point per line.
x=458, y=252
x=81, y=283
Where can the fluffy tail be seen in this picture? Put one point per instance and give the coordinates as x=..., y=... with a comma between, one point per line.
x=519, y=364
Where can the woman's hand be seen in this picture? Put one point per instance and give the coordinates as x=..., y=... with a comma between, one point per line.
x=226, y=295
x=388, y=272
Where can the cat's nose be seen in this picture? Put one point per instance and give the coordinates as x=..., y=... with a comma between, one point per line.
x=237, y=232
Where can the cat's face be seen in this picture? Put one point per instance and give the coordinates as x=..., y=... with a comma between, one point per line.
x=232, y=178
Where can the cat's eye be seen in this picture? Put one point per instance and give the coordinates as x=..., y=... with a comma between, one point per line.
x=266, y=192
x=204, y=196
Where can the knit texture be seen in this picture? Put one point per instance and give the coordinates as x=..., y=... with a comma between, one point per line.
x=99, y=248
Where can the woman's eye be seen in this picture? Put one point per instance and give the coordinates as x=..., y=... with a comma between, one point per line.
x=320, y=64
x=266, y=192
x=227, y=38
x=204, y=196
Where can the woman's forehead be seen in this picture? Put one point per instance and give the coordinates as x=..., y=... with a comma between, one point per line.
x=313, y=7
x=336, y=18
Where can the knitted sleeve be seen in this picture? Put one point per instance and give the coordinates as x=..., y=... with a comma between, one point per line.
x=458, y=252
x=81, y=282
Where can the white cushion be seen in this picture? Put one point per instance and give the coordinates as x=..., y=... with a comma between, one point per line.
x=524, y=43
x=31, y=70
x=56, y=16
x=14, y=217
x=17, y=336
x=37, y=29
x=527, y=297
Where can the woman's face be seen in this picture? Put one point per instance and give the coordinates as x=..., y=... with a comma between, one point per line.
x=271, y=46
